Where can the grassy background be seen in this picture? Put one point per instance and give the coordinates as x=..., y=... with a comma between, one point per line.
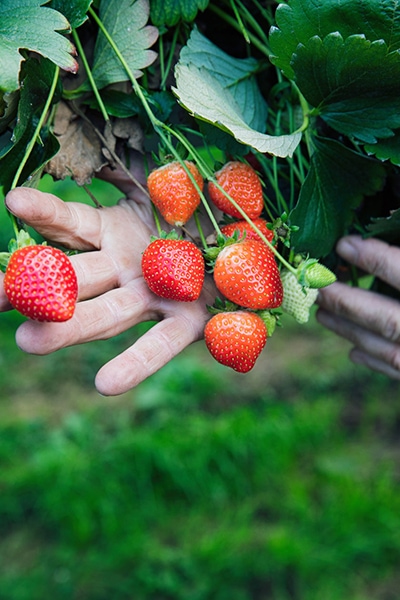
x=200, y=484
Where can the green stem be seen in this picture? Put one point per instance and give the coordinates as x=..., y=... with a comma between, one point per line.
x=200, y=230
x=137, y=88
x=33, y=141
x=239, y=21
x=231, y=21
x=90, y=76
x=156, y=219
x=167, y=67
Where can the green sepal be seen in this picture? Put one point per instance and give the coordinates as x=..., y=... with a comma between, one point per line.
x=221, y=306
x=312, y=274
x=22, y=239
x=212, y=252
x=166, y=235
x=270, y=319
x=4, y=258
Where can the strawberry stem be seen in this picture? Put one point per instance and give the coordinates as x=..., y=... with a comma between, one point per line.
x=90, y=76
x=32, y=143
x=36, y=133
x=156, y=219
x=200, y=230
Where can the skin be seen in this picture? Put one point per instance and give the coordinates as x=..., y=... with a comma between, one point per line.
x=113, y=295
x=367, y=319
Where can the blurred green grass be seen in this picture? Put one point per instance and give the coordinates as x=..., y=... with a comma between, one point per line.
x=200, y=484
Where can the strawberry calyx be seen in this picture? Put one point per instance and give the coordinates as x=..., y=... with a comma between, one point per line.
x=20, y=241
x=212, y=252
x=166, y=235
x=270, y=317
x=220, y=306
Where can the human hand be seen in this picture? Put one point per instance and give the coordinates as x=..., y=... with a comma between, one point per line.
x=369, y=320
x=112, y=294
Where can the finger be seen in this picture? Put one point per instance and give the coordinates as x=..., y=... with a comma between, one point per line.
x=373, y=256
x=149, y=354
x=373, y=363
x=73, y=224
x=100, y=318
x=4, y=303
x=368, y=309
x=380, y=352
x=96, y=274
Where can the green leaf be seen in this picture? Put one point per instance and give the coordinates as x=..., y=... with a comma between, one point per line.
x=75, y=11
x=354, y=83
x=238, y=75
x=170, y=12
x=221, y=90
x=8, y=109
x=125, y=21
x=302, y=20
x=386, y=149
x=26, y=24
x=387, y=228
x=335, y=185
x=37, y=77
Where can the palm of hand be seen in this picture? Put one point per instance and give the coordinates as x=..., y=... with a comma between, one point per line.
x=113, y=295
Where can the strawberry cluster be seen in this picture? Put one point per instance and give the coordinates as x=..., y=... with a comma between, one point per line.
x=243, y=260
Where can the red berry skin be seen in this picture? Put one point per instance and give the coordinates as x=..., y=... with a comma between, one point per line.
x=247, y=274
x=173, y=193
x=174, y=269
x=40, y=282
x=236, y=339
x=242, y=183
x=244, y=227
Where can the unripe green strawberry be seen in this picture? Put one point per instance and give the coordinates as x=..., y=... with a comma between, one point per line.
x=297, y=300
x=314, y=275
x=235, y=339
x=240, y=182
x=173, y=269
x=173, y=193
x=40, y=282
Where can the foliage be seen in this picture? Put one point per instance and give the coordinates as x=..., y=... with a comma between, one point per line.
x=311, y=91
x=189, y=488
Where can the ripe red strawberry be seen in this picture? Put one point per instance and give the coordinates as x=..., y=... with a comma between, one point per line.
x=173, y=193
x=235, y=339
x=244, y=226
x=173, y=269
x=40, y=282
x=242, y=183
x=247, y=274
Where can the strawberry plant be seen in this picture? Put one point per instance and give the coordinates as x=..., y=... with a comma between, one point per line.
x=302, y=99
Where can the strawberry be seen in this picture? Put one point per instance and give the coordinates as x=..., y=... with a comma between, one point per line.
x=241, y=182
x=173, y=193
x=235, y=339
x=247, y=274
x=243, y=227
x=174, y=269
x=40, y=282
x=297, y=300
x=312, y=274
